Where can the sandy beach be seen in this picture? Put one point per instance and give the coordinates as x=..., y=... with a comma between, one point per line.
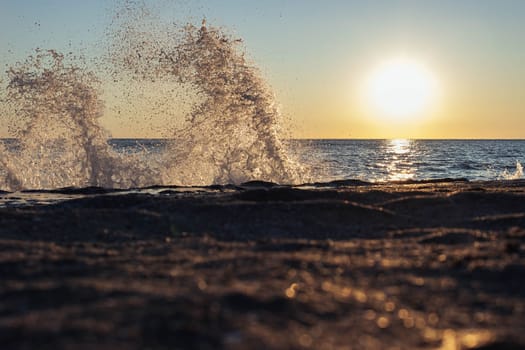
x=342, y=265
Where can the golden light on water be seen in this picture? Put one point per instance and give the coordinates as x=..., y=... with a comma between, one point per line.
x=399, y=146
x=398, y=164
x=401, y=88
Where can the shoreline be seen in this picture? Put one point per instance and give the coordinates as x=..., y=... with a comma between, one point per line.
x=343, y=265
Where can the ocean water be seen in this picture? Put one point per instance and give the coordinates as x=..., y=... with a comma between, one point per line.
x=366, y=160
x=401, y=160
x=231, y=129
x=392, y=160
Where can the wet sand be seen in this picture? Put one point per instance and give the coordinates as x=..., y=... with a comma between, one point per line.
x=344, y=265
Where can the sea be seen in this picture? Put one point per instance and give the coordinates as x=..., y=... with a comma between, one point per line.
x=136, y=163
x=392, y=159
x=401, y=159
x=230, y=129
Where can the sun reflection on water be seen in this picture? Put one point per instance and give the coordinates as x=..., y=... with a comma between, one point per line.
x=398, y=163
x=399, y=146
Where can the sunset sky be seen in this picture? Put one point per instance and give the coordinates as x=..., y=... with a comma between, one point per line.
x=320, y=56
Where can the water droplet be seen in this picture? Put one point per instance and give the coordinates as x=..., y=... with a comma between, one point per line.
x=383, y=322
x=305, y=340
x=290, y=292
x=370, y=315
x=390, y=306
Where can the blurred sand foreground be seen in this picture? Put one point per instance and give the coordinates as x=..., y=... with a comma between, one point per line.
x=344, y=265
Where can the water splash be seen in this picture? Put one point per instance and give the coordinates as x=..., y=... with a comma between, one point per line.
x=55, y=110
x=517, y=174
x=231, y=132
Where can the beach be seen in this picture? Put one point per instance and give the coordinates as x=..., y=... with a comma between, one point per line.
x=339, y=265
x=274, y=175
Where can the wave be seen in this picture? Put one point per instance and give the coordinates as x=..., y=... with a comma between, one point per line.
x=232, y=132
x=517, y=174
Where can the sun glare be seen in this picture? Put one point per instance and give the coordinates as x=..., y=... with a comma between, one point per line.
x=401, y=88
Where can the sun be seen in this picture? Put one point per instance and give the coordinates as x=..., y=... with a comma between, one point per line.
x=401, y=88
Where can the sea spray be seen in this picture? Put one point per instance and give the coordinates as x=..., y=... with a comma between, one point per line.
x=54, y=111
x=54, y=114
x=517, y=174
x=231, y=132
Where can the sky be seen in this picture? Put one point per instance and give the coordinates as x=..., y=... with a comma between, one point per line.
x=318, y=56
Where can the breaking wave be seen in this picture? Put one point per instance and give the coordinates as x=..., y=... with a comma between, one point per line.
x=231, y=132
x=517, y=174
